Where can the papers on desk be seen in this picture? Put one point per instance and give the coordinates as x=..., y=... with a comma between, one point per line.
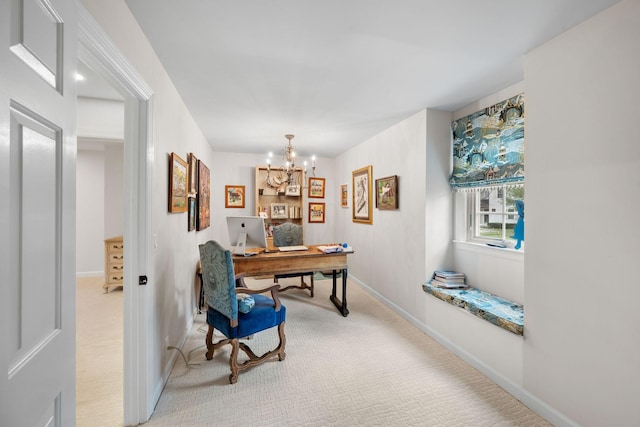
x=330, y=249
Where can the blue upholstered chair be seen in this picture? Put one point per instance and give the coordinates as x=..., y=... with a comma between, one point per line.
x=223, y=313
x=290, y=234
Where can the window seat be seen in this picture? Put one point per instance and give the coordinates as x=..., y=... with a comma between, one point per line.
x=494, y=309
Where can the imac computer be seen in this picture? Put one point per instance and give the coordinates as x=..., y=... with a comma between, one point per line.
x=246, y=232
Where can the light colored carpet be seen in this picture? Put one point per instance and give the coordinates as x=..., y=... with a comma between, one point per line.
x=99, y=332
x=371, y=368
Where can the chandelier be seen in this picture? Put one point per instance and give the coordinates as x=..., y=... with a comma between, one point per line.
x=287, y=174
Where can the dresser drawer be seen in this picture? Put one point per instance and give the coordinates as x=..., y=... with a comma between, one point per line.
x=115, y=267
x=115, y=247
x=115, y=257
x=115, y=279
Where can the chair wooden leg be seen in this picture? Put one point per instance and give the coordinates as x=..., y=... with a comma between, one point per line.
x=254, y=360
x=283, y=342
x=210, y=346
x=233, y=361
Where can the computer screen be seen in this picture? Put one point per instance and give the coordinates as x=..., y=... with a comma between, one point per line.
x=246, y=232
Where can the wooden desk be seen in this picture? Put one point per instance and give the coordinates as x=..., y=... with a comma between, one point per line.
x=271, y=263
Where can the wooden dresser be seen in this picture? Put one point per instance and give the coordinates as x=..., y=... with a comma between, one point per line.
x=113, y=263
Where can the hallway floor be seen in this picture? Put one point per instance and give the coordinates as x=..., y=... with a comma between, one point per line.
x=99, y=374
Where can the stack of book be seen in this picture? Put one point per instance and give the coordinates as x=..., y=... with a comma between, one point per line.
x=448, y=279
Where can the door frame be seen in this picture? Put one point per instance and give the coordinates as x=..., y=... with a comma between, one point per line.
x=96, y=49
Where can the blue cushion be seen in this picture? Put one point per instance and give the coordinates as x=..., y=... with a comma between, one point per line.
x=245, y=303
x=262, y=316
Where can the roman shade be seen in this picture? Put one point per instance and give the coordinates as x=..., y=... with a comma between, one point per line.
x=488, y=146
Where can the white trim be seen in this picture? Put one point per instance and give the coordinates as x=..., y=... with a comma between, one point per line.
x=100, y=134
x=507, y=253
x=96, y=49
x=534, y=403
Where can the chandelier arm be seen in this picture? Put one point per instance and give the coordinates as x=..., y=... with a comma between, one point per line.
x=289, y=157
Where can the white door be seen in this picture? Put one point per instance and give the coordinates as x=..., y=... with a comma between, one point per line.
x=37, y=212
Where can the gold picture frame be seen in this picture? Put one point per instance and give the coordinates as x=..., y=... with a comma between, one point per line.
x=316, y=188
x=178, y=172
x=316, y=212
x=193, y=174
x=344, y=196
x=204, y=197
x=234, y=196
x=362, y=206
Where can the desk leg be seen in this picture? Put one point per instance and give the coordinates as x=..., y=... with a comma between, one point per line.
x=340, y=305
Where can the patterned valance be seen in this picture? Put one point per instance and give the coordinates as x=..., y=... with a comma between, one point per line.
x=488, y=145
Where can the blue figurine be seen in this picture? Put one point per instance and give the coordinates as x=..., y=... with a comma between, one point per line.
x=518, y=230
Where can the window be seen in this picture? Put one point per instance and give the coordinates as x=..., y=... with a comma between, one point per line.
x=491, y=215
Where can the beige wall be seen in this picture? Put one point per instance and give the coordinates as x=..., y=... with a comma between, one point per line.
x=582, y=351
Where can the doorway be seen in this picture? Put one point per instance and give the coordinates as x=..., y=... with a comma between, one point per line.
x=99, y=216
x=96, y=50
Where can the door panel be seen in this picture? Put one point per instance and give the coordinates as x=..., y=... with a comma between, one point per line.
x=37, y=236
x=36, y=38
x=34, y=184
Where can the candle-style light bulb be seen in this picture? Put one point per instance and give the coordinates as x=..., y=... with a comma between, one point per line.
x=313, y=161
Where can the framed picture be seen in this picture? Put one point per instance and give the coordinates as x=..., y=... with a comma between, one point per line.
x=177, y=184
x=191, y=225
x=292, y=190
x=204, y=197
x=387, y=192
x=193, y=174
x=344, y=196
x=316, y=188
x=234, y=196
x=279, y=211
x=316, y=212
x=362, y=191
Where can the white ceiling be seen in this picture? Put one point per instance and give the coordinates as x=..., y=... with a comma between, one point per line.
x=336, y=72
x=95, y=86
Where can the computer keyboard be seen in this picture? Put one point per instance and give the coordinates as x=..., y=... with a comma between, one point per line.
x=292, y=248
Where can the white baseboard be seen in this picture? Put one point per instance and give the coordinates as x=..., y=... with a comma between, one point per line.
x=533, y=402
x=89, y=273
x=166, y=372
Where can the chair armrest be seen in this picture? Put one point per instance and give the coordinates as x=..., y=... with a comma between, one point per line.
x=239, y=278
x=273, y=289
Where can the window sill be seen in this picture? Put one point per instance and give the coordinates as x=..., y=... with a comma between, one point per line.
x=479, y=248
